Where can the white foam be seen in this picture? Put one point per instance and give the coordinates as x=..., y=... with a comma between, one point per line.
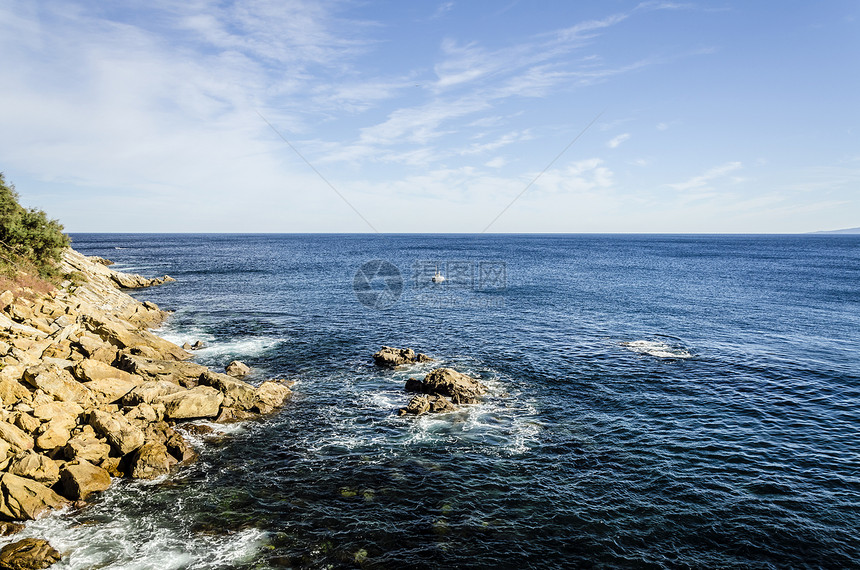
x=657, y=348
x=120, y=541
x=236, y=348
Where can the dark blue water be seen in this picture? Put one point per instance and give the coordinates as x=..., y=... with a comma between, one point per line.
x=655, y=401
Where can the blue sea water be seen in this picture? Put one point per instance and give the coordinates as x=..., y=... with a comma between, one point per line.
x=655, y=402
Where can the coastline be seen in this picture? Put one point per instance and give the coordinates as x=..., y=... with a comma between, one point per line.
x=89, y=394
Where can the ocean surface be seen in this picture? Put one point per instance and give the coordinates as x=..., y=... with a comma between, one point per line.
x=655, y=402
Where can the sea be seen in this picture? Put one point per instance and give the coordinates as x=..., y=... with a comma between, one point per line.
x=655, y=401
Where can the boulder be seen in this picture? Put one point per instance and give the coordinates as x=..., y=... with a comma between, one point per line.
x=271, y=395
x=86, y=446
x=237, y=369
x=151, y=460
x=54, y=434
x=123, y=436
x=423, y=404
x=10, y=528
x=198, y=345
x=12, y=391
x=109, y=390
x=36, y=467
x=178, y=372
x=28, y=554
x=390, y=357
x=237, y=393
x=97, y=349
x=51, y=410
x=58, y=383
x=25, y=499
x=26, y=422
x=15, y=437
x=79, y=480
x=179, y=448
x=199, y=402
x=231, y=415
x=123, y=335
x=148, y=392
x=460, y=388
x=89, y=370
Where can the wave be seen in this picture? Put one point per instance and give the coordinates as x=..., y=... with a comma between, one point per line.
x=658, y=348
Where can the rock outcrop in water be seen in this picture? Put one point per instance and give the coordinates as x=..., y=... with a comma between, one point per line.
x=440, y=390
x=390, y=357
x=28, y=554
x=87, y=393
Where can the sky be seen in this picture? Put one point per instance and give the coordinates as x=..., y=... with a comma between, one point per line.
x=433, y=116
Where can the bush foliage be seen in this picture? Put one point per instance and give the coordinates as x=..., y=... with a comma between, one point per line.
x=27, y=236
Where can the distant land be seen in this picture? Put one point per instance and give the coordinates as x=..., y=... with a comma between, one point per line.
x=844, y=231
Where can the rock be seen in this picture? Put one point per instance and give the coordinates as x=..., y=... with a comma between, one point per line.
x=123, y=335
x=133, y=281
x=51, y=410
x=26, y=422
x=37, y=467
x=422, y=404
x=144, y=414
x=79, y=480
x=462, y=389
x=151, y=460
x=97, y=349
x=179, y=448
x=12, y=391
x=149, y=392
x=271, y=395
x=25, y=499
x=123, y=436
x=237, y=369
x=237, y=393
x=6, y=299
x=114, y=466
x=232, y=415
x=390, y=357
x=88, y=447
x=55, y=433
x=89, y=370
x=15, y=437
x=198, y=345
x=174, y=371
x=58, y=383
x=10, y=528
x=199, y=402
x=110, y=390
x=28, y=554
x=187, y=346
x=101, y=260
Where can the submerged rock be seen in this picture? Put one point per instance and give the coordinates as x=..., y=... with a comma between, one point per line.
x=422, y=404
x=28, y=554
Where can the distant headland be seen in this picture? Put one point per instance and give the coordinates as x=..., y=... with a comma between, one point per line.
x=842, y=231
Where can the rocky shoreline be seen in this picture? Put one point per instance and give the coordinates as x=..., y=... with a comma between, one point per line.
x=88, y=394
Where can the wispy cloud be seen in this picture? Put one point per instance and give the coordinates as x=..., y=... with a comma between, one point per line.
x=615, y=142
x=707, y=177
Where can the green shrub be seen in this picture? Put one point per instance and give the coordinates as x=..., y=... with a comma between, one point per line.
x=27, y=236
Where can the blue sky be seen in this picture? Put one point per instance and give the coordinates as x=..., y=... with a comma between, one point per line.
x=737, y=117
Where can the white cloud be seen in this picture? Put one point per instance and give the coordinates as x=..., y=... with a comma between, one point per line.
x=616, y=141
x=707, y=177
